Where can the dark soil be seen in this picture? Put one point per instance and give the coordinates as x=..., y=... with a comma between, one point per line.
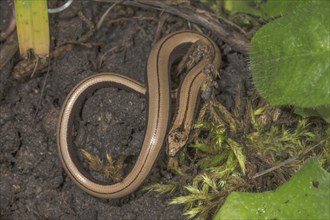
x=33, y=184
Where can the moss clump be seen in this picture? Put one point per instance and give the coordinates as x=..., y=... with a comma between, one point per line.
x=223, y=147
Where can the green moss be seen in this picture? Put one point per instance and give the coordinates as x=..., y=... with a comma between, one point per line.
x=222, y=143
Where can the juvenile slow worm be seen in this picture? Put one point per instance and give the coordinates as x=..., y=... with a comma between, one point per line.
x=162, y=55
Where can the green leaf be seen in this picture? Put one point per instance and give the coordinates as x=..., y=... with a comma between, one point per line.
x=260, y=8
x=322, y=111
x=305, y=196
x=290, y=57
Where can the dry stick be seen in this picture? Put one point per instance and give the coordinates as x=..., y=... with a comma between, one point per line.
x=116, y=48
x=99, y=24
x=285, y=162
x=35, y=67
x=8, y=50
x=42, y=91
x=12, y=22
x=237, y=41
x=160, y=25
x=229, y=22
x=82, y=41
x=90, y=26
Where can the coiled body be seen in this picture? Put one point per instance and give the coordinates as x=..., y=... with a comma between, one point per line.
x=163, y=53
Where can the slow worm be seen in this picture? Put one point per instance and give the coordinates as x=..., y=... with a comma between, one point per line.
x=162, y=55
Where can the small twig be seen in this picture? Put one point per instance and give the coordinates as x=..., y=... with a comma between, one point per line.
x=24, y=68
x=99, y=24
x=160, y=25
x=113, y=49
x=83, y=39
x=286, y=161
x=11, y=24
x=231, y=24
x=132, y=19
x=42, y=91
x=8, y=50
x=197, y=28
x=90, y=25
x=236, y=40
x=35, y=66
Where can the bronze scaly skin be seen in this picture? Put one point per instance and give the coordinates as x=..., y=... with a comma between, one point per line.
x=163, y=53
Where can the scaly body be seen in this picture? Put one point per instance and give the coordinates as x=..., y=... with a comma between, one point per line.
x=163, y=53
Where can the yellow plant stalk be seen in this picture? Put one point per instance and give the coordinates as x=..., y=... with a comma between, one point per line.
x=32, y=27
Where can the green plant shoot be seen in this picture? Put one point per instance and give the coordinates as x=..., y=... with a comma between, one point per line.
x=32, y=27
